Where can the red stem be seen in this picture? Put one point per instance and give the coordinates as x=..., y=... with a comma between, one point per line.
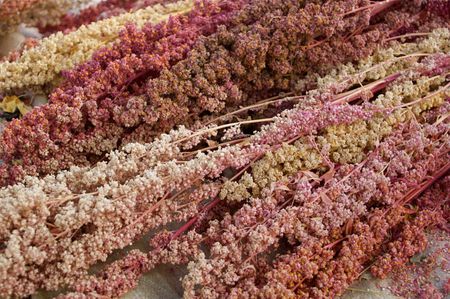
x=188, y=224
x=375, y=7
x=379, y=7
x=416, y=192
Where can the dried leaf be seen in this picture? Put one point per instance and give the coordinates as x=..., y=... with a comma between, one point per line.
x=12, y=103
x=212, y=143
x=328, y=175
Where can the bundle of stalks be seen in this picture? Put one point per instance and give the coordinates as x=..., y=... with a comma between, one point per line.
x=300, y=161
x=290, y=147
